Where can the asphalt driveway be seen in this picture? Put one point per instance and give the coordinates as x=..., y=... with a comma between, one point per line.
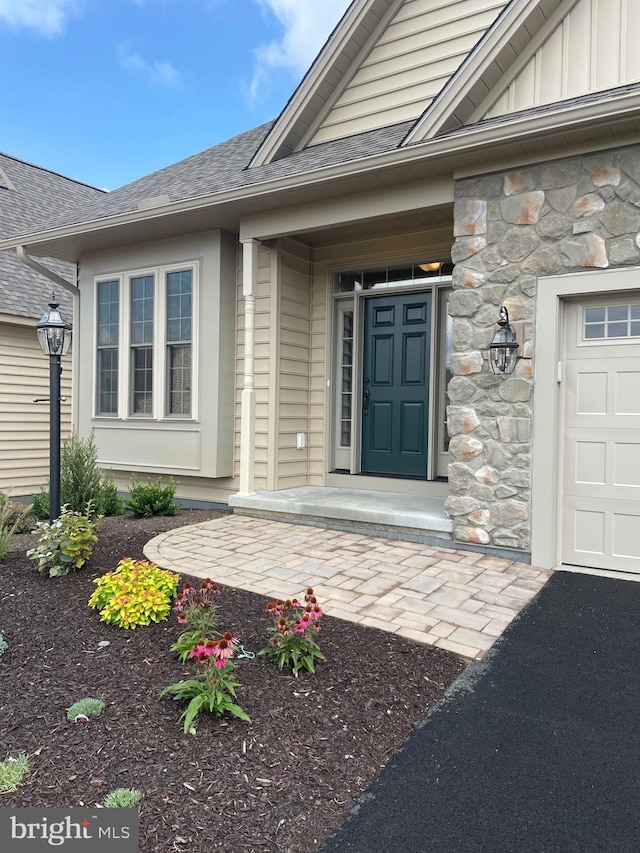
x=535, y=749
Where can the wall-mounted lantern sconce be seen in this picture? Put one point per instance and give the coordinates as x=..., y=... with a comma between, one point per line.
x=503, y=349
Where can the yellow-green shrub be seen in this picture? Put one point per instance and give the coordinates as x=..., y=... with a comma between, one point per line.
x=136, y=593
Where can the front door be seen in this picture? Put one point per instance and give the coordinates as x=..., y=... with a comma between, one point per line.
x=395, y=389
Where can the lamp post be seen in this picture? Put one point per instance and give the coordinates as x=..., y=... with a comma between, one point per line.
x=54, y=336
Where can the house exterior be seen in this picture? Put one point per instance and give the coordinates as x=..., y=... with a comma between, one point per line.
x=311, y=304
x=27, y=194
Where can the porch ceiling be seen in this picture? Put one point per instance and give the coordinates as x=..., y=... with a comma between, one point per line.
x=434, y=218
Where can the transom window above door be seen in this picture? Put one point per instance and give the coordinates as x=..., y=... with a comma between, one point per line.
x=406, y=275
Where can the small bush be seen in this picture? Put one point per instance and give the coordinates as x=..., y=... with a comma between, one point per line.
x=122, y=798
x=12, y=520
x=198, y=613
x=136, y=593
x=12, y=772
x=293, y=632
x=81, y=480
x=66, y=543
x=40, y=506
x=3, y=645
x=152, y=498
x=86, y=708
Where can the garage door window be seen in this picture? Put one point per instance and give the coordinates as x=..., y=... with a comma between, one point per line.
x=611, y=321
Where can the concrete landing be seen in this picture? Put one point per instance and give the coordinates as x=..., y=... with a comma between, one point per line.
x=390, y=514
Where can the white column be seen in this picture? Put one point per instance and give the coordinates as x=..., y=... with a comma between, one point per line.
x=248, y=409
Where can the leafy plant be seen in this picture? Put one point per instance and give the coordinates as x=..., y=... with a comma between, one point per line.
x=293, y=633
x=12, y=772
x=81, y=480
x=152, y=498
x=12, y=520
x=136, y=593
x=198, y=612
x=3, y=645
x=122, y=798
x=215, y=689
x=65, y=543
x=84, y=709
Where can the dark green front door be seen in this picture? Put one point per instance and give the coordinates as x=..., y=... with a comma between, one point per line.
x=397, y=331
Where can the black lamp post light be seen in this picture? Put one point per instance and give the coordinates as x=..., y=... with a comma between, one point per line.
x=54, y=336
x=503, y=349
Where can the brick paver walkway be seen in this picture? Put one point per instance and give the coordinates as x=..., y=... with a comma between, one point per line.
x=458, y=600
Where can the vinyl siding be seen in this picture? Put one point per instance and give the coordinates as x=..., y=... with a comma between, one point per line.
x=24, y=425
x=262, y=360
x=410, y=63
x=293, y=364
x=594, y=48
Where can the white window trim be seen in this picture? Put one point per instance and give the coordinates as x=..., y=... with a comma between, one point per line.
x=160, y=384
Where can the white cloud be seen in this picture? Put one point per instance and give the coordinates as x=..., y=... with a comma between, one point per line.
x=306, y=26
x=44, y=16
x=162, y=73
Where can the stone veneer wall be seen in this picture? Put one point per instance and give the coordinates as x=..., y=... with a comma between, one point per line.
x=509, y=228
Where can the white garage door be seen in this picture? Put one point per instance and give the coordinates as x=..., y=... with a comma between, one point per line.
x=601, y=477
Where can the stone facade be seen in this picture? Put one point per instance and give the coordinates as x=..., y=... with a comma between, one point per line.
x=510, y=228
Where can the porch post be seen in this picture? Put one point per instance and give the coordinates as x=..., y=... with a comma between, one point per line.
x=248, y=406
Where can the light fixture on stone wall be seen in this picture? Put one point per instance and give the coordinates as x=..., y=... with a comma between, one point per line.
x=503, y=349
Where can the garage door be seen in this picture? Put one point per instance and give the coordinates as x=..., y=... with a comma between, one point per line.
x=601, y=476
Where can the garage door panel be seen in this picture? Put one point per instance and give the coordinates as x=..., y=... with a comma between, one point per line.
x=602, y=538
x=627, y=393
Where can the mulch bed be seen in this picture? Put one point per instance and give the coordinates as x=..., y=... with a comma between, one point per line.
x=281, y=783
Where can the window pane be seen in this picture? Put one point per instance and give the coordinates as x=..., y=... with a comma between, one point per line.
x=635, y=312
x=108, y=332
x=142, y=380
x=108, y=382
x=179, y=369
x=142, y=309
x=179, y=306
x=594, y=331
x=618, y=312
x=617, y=330
x=594, y=315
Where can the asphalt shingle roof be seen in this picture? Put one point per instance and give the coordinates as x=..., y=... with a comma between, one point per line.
x=28, y=194
x=224, y=167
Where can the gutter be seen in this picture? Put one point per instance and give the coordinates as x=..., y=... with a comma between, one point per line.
x=21, y=251
x=467, y=139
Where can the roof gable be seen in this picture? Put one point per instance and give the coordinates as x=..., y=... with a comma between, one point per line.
x=539, y=52
x=334, y=66
x=383, y=64
x=413, y=58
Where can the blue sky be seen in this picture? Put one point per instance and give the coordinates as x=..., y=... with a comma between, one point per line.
x=106, y=91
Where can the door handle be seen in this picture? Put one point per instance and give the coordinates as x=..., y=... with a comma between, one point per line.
x=365, y=395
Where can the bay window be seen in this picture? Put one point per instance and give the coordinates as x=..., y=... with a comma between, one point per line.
x=144, y=341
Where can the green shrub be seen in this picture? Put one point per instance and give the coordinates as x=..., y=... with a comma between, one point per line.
x=81, y=480
x=86, y=707
x=66, y=543
x=122, y=798
x=136, y=593
x=12, y=772
x=152, y=498
x=40, y=505
x=12, y=520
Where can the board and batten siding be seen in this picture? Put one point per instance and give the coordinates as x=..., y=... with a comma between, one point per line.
x=421, y=48
x=262, y=360
x=593, y=49
x=24, y=425
x=281, y=364
x=293, y=367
